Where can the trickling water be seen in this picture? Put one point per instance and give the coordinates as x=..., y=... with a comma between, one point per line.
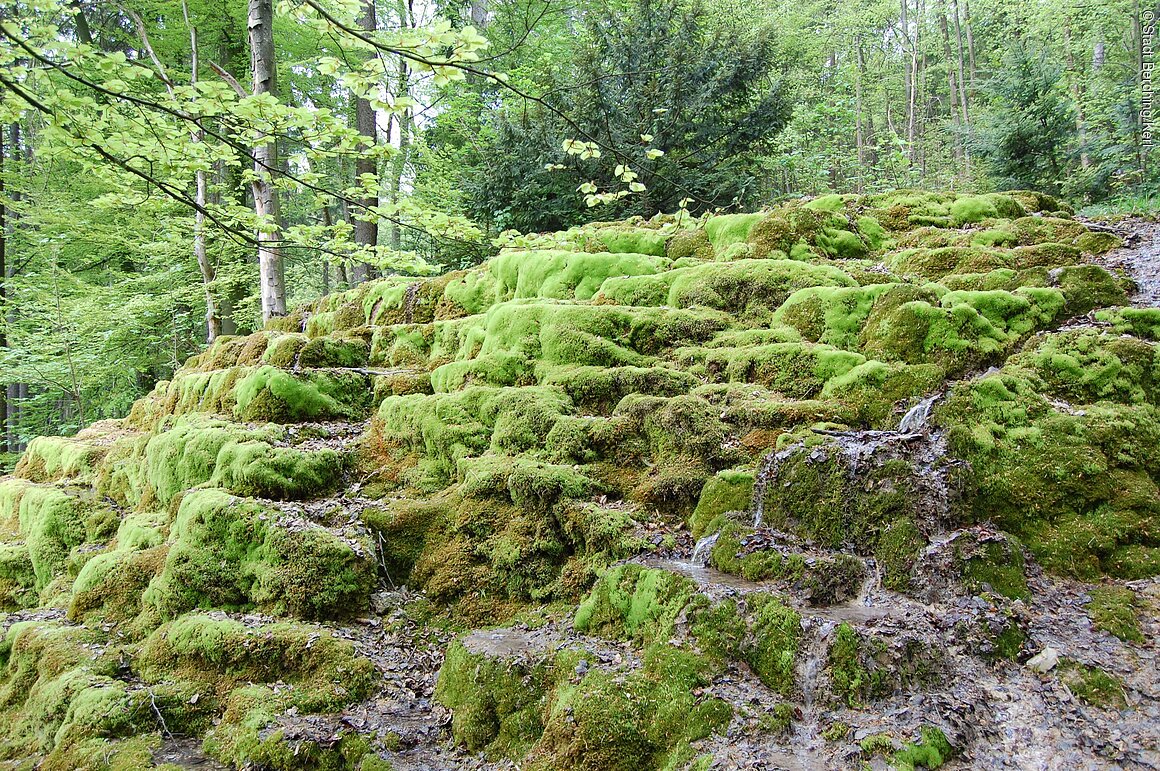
x=914, y=421
x=766, y=473
x=703, y=549
x=812, y=662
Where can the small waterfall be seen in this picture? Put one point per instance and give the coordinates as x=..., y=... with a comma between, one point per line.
x=914, y=421
x=766, y=473
x=812, y=662
x=704, y=549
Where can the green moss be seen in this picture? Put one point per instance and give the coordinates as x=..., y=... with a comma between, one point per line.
x=57, y=690
x=253, y=736
x=993, y=238
x=564, y=275
x=270, y=394
x=445, y=428
x=642, y=720
x=870, y=391
x=964, y=328
x=518, y=343
x=50, y=524
x=932, y=750
x=223, y=653
x=836, y=731
x=1141, y=322
x=744, y=286
x=1033, y=201
x=404, y=526
x=194, y=451
x=689, y=244
x=53, y=458
x=1009, y=641
x=852, y=681
x=112, y=583
x=334, y=352
x=1047, y=255
x=772, y=644
x=1093, y=242
x=633, y=241
x=259, y=470
x=832, y=203
x=1087, y=287
x=497, y=704
x=817, y=498
x=530, y=484
x=1071, y=486
x=727, y=491
x=876, y=743
x=995, y=565
x=798, y=370
x=1114, y=609
x=726, y=229
x=897, y=552
x=938, y=262
x=17, y=578
x=282, y=350
x=1008, y=206
x=1092, y=685
x=787, y=229
x=1087, y=367
x=228, y=553
x=633, y=602
x=831, y=315
x=602, y=388
x=972, y=208
x=841, y=243
x=1038, y=230
x=779, y=720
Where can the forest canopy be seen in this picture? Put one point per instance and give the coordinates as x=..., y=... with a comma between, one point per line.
x=176, y=171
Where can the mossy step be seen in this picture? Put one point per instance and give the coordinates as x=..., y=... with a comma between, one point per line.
x=555, y=698
x=52, y=532
x=258, y=394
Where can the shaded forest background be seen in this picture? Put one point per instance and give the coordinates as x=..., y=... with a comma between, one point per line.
x=415, y=138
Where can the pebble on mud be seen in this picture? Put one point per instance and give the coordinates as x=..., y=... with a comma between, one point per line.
x=1044, y=661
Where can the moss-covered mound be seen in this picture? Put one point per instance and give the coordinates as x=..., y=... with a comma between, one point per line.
x=502, y=438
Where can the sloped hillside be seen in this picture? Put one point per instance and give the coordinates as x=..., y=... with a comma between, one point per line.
x=803, y=488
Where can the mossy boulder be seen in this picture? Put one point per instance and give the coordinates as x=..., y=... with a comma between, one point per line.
x=226, y=552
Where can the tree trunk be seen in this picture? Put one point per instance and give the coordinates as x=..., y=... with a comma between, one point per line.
x=366, y=229
x=911, y=85
x=400, y=133
x=13, y=392
x=951, y=85
x=970, y=43
x=16, y=407
x=479, y=13
x=271, y=271
x=1073, y=86
x=213, y=324
x=84, y=34
x=963, y=87
x=859, y=137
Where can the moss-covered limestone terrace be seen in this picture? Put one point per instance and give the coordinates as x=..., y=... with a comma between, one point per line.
x=448, y=522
